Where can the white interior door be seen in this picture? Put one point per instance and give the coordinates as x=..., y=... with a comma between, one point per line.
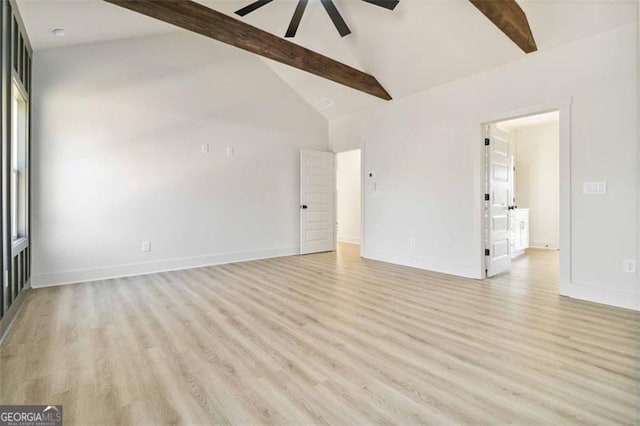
x=498, y=244
x=317, y=201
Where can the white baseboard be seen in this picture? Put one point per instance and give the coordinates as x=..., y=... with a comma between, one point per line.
x=622, y=299
x=348, y=239
x=128, y=270
x=606, y=296
x=517, y=253
x=543, y=245
x=465, y=271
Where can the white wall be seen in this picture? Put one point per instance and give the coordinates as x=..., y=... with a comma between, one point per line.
x=538, y=181
x=348, y=196
x=426, y=149
x=117, y=134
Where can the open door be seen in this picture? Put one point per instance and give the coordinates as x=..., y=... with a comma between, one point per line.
x=498, y=236
x=317, y=201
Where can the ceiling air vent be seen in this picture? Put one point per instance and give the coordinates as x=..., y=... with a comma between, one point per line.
x=324, y=103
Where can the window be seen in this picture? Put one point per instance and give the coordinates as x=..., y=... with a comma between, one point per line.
x=18, y=165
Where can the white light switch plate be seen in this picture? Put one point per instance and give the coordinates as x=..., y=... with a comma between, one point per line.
x=595, y=188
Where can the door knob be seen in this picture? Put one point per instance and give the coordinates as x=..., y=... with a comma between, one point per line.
x=304, y=207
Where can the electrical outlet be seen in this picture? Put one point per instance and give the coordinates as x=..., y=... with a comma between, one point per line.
x=412, y=243
x=629, y=265
x=146, y=246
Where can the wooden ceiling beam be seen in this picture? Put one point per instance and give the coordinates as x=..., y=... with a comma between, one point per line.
x=509, y=17
x=200, y=19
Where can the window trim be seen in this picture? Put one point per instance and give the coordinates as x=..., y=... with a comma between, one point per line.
x=17, y=88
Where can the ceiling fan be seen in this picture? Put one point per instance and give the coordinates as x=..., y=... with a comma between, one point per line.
x=329, y=6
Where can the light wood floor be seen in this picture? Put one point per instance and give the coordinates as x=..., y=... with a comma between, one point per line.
x=327, y=338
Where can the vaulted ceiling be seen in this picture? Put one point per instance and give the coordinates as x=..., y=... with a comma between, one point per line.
x=421, y=44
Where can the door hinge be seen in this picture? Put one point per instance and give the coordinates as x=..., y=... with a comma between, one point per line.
x=487, y=252
x=486, y=141
x=486, y=197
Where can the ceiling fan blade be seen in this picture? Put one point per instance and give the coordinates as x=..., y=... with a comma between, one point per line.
x=335, y=16
x=297, y=16
x=509, y=17
x=387, y=4
x=253, y=6
x=195, y=17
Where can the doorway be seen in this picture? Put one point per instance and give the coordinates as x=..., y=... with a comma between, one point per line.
x=349, y=200
x=522, y=193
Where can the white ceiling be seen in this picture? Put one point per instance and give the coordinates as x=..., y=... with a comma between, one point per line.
x=532, y=120
x=85, y=21
x=421, y=44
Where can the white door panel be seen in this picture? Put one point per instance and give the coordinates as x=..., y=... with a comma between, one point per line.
x=317, y=208
x=497, y=210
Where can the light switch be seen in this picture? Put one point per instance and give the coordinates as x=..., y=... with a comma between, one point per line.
x=595, y=188
x=204, y=148
x=230, y=151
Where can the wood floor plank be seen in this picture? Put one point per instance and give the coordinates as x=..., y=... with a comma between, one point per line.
x=325, y=339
